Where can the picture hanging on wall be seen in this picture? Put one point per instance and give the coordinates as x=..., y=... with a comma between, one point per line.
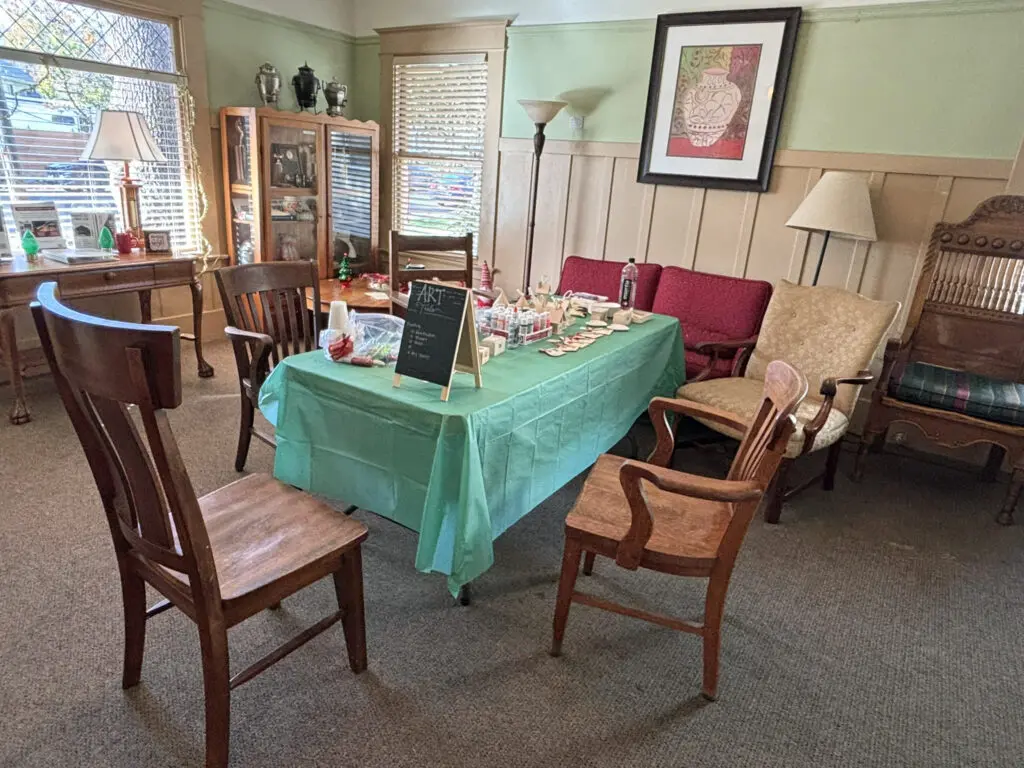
x=714, y=105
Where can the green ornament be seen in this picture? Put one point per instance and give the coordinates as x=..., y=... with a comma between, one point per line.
x=344, y=270
x=29, y=244
x=106, y=239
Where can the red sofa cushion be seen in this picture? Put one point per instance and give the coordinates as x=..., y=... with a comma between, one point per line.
x=711, y=308
x=602, y=278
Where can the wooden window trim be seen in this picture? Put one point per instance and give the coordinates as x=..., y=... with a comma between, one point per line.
x=488, y=37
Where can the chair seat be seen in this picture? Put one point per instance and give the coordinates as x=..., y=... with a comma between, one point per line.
x=262, y=531
x=742, y=396
x=687, y=531
x=961, y=392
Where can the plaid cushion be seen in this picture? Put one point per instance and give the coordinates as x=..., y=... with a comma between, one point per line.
x=968, y=393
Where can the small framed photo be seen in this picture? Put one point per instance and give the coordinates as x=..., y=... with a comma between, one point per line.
x=718, y=83
x=157, y=240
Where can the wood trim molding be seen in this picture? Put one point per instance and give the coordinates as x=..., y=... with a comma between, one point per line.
x=462, y=37
x=965, y=167
x=1015, y=186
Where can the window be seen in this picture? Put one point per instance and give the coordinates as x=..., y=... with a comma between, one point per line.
x=439, y=115
x=60, y=63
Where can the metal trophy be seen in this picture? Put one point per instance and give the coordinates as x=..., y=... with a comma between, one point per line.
x=306, y=85
x=268, y=80
x=336, y=95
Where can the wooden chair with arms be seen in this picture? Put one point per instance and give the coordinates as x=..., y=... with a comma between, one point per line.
x=405, y=244
x=220, y=558
x=649, y=516
x=957, y=373
x=268, y=320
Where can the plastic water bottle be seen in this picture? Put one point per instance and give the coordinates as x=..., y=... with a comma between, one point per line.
x=627, y=285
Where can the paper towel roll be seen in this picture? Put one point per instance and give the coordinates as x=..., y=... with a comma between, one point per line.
x=338, y=320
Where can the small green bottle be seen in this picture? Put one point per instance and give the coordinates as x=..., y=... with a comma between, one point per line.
x=106, y=241
x=29, y=245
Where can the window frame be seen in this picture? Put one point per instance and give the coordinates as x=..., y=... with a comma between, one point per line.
x=487, y=37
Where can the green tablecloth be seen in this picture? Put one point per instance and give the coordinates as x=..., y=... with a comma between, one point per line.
x=462, y=472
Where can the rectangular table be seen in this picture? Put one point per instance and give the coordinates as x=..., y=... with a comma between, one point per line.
x=463, y=472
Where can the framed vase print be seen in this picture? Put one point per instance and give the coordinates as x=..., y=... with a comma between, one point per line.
x=718, y=83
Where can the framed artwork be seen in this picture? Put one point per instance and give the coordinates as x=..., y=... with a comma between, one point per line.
x=718, y=83
x=157, y=240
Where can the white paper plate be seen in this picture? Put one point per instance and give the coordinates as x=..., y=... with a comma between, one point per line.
x=617, y=327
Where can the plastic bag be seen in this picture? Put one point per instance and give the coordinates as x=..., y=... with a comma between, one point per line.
x=375, y=339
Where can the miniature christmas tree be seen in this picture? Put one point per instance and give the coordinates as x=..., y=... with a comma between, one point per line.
x=29, y=245
x=106, y=239
x=344, y=270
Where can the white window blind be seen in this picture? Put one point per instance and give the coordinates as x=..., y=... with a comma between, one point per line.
x=439, y=115
x=60, y=63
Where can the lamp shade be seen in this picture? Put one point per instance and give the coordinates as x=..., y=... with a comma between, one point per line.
x=122, y=136
x=839, y=203
x=541, y=112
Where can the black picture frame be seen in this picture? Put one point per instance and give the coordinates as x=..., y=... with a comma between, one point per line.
x=790, y=17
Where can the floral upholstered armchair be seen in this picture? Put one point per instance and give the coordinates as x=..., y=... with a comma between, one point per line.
x=830, y=335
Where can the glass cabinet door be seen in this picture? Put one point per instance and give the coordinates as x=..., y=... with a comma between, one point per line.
x=292, y=164
x=352, y=190
x=241, y=183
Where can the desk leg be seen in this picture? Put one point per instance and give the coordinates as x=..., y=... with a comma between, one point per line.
x=146, y=306
x=9, y=343
x=205, y=369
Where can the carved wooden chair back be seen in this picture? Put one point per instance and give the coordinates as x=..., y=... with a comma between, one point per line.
x=403, y=244
x=101, y=367
x=271, y=298
x=968, y=309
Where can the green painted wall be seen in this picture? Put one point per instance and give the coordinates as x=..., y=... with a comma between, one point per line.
x=925, y=81
x=365, y=91
x=239, y=39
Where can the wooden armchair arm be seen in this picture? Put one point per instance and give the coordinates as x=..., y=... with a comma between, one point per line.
x=251, y=363
x=828, y=391
x=630, y=549
x=659, y=408
x=740, y=349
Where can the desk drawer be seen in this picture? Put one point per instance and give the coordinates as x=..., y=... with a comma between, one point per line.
x=176, y=272
x=101, y=281
x=20, y=291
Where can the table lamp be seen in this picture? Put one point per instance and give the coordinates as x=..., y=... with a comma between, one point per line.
x=839, y=204
x=124, y=137
x=541, y=113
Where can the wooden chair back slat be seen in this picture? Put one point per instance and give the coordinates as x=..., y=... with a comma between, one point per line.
x=968, y=308
x=404, y=244
x=271, y=298
x=101, y=367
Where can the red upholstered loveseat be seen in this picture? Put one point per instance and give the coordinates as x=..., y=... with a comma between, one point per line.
x=709, y=307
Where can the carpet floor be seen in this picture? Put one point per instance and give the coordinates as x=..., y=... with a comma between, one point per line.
x=879, y=625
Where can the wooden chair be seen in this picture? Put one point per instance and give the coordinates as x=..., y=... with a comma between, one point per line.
x=220, y=558
x=828, y=334
x=265, y=305
x=403, y=244
x=957, y=373
x=648, y=516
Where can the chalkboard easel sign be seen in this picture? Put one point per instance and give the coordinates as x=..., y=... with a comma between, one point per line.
x=440, y=336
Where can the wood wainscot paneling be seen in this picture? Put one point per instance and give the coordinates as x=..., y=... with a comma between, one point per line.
x=591, y=205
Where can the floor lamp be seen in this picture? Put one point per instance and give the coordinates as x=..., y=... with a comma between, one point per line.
x=541, y=113
x=839, y=204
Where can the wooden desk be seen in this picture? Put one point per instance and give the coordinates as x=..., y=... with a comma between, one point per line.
x=134, y=273
x=354, y=294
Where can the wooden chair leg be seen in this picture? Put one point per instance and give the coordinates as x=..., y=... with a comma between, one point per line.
x=217, y=686
x=588, y=563
x=867, y=440
x=1012, y=496
x=244, y=433
x=776, y=493
x=566, y=585
x=714, y=607
x=994, y=464
x=133, y=593
x=831, y=464
x=348, y=586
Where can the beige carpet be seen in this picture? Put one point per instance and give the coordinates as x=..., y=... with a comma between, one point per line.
x=880, y=625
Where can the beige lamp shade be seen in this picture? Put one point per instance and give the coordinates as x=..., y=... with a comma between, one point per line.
x=839, y=203
x=122, y=136
x=541, y=112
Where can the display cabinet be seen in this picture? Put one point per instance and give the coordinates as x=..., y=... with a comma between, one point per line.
x=300, y=186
